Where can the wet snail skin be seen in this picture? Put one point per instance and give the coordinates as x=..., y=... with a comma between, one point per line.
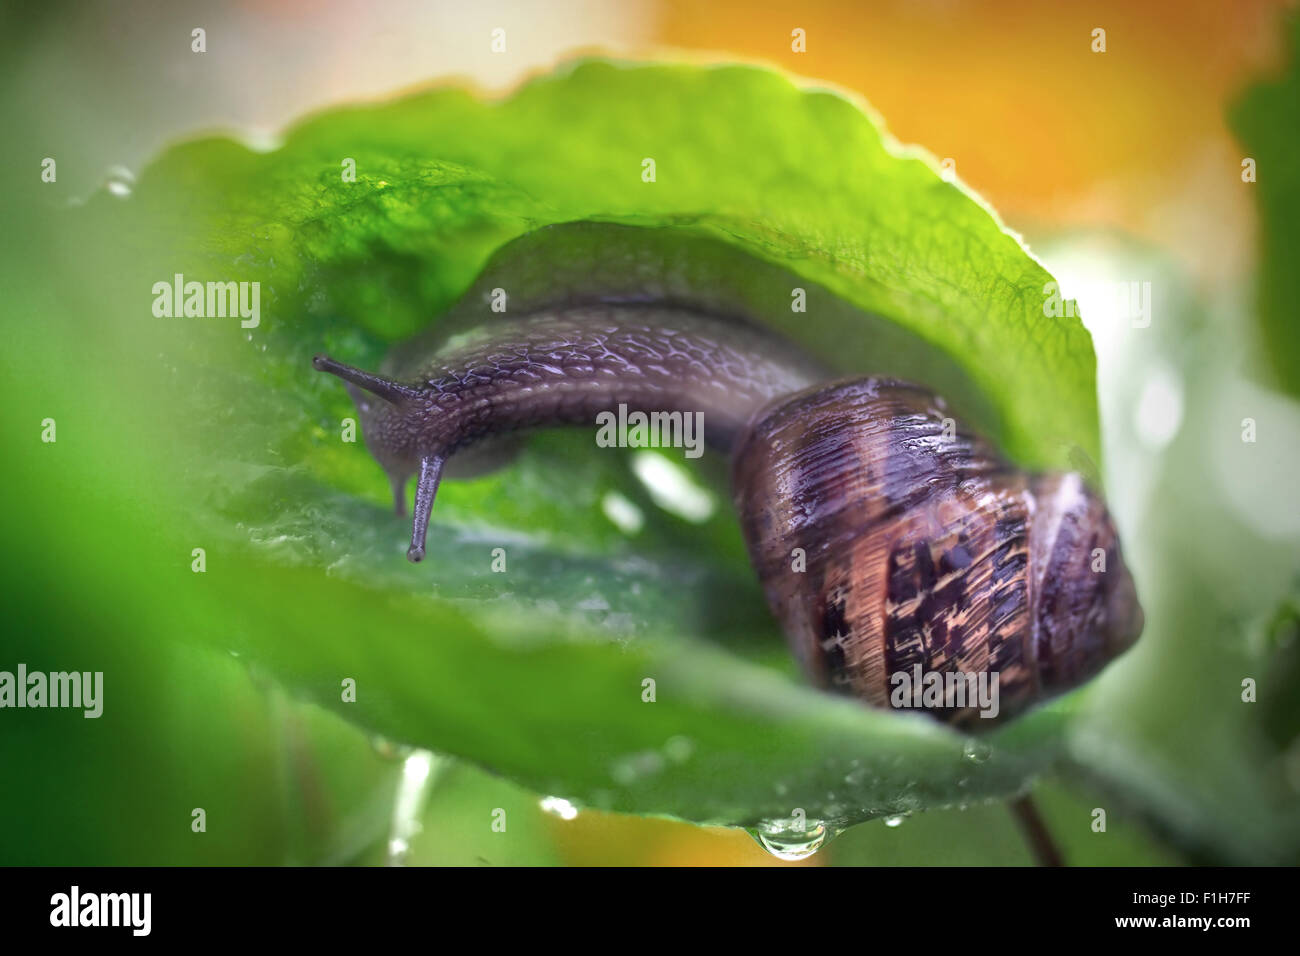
x=885, y=539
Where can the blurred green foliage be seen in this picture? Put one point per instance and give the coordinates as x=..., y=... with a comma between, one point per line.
x=1267, y=120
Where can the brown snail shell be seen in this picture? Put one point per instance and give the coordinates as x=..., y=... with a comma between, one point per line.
x=886, y=539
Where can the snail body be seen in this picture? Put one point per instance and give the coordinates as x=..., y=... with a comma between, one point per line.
x=886, y=538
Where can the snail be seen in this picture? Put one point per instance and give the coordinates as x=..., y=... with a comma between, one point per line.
x=887, y=540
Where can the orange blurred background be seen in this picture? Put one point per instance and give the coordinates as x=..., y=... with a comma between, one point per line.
x=1051, y=133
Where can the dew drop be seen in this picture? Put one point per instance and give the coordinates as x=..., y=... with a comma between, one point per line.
x=896, y=820
x=792, y=839
x=119, y=181
x=636, y=767
x=976, y=751
x=559, y=807
x=855, y=778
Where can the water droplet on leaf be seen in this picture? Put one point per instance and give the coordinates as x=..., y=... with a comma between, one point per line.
x=792, y=839
x=119, y=181
x=559, y=807
x=636, y=767
x=976, y=751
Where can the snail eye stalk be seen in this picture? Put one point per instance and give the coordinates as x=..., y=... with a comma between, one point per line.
x=393, y=392
x=425, y=490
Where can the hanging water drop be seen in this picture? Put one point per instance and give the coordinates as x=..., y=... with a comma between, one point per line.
x=896, y=820
x=792, y=839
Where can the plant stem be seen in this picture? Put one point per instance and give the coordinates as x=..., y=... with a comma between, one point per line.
x=1039, y=838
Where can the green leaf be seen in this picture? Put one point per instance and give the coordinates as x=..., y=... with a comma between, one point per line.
x=536, y=674
x=796, y=177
